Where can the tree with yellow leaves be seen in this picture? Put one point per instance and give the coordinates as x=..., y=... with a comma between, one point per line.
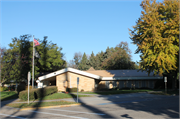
x=156, y=34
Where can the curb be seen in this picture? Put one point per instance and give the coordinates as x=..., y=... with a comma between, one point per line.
x=23, y=109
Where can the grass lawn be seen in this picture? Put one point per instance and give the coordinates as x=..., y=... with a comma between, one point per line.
x=58, y=96
x=41, y=104
x=117, y=92
x=62, y=96
x=7, y=95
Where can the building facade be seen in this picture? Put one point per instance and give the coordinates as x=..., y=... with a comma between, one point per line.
x=93, y=80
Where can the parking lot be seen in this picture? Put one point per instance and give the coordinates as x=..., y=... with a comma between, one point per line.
x=139, y=105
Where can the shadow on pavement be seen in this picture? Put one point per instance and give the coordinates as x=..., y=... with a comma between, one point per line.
x=155, y=104
x=126, y=116
x=8, y=100
x=89, y=107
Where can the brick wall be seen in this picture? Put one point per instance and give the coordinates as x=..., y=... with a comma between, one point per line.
x=61, y=82
x=69, y=80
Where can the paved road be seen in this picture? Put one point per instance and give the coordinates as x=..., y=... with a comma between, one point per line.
x=139, y=105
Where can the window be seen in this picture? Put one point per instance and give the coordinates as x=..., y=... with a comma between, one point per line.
x=132, y=84
x=124, y=83
x=114, y=84
x=147, y=84
x=140, y=84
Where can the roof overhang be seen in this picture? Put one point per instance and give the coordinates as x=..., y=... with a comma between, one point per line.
x=53, y=74
x=131, y=78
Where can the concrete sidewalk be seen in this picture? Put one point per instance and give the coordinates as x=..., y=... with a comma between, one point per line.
x=3, y=103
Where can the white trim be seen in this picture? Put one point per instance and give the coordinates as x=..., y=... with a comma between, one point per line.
x=129, y=78
x=66, y=70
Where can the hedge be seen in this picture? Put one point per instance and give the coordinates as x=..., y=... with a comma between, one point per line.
x=3, y=88
x=23, y=95
x=37, y=93
x=41, y=92
x=21, y=87
x=74, y=89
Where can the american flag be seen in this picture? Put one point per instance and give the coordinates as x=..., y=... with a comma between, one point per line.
x=36, y=42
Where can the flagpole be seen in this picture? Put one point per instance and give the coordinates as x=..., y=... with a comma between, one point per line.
x=33, y=66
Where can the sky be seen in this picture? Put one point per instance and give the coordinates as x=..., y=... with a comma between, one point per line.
x=74, y=25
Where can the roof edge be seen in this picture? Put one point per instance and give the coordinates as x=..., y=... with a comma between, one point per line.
x=129, y=78
x=66, y=70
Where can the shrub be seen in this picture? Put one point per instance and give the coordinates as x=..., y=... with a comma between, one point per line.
x=4, y=89
x=37, y=93
x=1, y=89
x=23, y=95
x=114, y=88
x=30, y=87
x=41, y=92
x=74, y=89
x=11, y=88
x=21, y=87
x=104, y=89
x=125, y=88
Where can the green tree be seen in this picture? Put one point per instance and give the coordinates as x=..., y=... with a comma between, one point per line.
x=51, y=57
x=2, y=54
x=92, y=61
x=118, y=60
x=18, y=59
x=15, y=60
x=83, y=65
x=107, y=53
x=156, y=34
x=99, y=58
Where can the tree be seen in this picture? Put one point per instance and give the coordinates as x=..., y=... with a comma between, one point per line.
x=124, y=46
x=119, y=59
x=107, y=53
x=15, y=60
x=83, y=65
x=99, y=58
x=71, y=64
x=51, y=57
x=18, y=59
x=92, y=62
x=156, y=34
x=2, y=63
x=77, y=59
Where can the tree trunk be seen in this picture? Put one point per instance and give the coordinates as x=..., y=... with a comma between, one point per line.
x=174, y=81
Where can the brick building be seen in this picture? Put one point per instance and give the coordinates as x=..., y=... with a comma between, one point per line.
x=92, y=80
